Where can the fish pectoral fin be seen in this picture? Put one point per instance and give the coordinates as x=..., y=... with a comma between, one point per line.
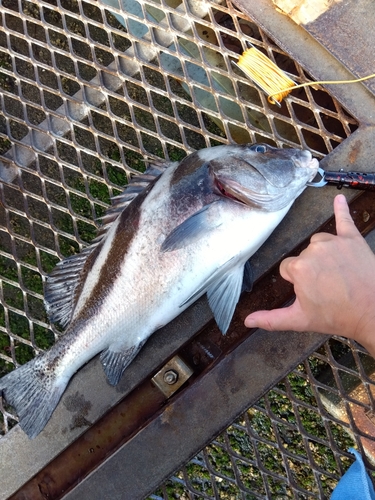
x=223, y=296
x=191, y=230
x=115, y=361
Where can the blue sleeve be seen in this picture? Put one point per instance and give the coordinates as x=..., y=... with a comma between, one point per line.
x=355, y=484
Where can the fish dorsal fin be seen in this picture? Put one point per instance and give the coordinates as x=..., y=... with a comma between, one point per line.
x=136, y=186
x=63, y=285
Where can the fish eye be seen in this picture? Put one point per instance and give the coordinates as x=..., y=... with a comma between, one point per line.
x=259, y=148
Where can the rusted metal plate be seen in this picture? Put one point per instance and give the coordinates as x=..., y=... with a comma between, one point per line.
x=171, y=438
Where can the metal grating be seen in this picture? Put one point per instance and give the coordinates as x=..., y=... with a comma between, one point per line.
x=89, y=92
x=293, y=443
x=87, y=98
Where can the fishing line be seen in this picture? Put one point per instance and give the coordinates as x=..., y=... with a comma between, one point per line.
x=272, y=80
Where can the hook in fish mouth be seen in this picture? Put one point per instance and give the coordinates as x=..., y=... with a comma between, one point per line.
x=320, y=182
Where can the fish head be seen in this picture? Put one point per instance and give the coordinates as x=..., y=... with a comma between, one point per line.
x=262, y=176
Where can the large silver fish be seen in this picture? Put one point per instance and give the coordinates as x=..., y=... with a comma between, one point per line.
x=190, y=231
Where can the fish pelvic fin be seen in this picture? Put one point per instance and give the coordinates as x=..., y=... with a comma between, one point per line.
x=34, y=395
x=248, y=277
x=223, y=296
x=115, y=362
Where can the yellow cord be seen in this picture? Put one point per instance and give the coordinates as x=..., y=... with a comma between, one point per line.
x=272, y=80
x=259, y=68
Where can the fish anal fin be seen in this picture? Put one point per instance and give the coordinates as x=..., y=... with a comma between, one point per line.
x=115, y=361
x=223, y=296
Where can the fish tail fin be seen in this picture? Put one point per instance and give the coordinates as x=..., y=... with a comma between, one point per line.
x=33, y=393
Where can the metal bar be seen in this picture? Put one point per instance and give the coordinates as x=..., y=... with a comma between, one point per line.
x=221, y=381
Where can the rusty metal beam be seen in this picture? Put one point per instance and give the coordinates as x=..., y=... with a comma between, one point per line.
x=331, y=55
x=334, y=29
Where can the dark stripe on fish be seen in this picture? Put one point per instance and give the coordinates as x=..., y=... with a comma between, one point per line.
x=187, y=167
x=191, y=191
x=125, y=233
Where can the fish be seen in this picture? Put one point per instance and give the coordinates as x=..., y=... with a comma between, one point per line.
x=177, y=232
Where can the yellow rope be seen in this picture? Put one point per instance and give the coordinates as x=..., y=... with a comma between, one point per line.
x=259, y=68
x=272, y=80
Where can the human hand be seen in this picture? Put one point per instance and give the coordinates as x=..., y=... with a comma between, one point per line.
x=334, y=283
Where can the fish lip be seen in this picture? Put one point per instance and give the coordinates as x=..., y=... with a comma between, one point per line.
x=314, y=166
x=307, y=161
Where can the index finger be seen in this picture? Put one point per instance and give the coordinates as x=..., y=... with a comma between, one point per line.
x=344, y=222
x=284, y=269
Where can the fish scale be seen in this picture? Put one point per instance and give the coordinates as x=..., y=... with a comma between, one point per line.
x=175, y=234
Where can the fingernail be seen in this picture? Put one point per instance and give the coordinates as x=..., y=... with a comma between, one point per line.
x=341, y=198
x=250, y=322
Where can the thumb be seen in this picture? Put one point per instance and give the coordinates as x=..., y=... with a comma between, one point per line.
x=344, y=223
x=287, y=318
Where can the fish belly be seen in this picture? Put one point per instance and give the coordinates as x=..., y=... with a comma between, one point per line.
x=167, y=280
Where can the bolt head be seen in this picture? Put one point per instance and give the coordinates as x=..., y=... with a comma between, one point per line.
x=170, y=377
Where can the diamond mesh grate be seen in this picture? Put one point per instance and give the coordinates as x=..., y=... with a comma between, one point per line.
x=89, y=92
x=293, y=443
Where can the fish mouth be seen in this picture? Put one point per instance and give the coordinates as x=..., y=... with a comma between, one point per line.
x=314, y=166
x=307, y=161
x=228, y=194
